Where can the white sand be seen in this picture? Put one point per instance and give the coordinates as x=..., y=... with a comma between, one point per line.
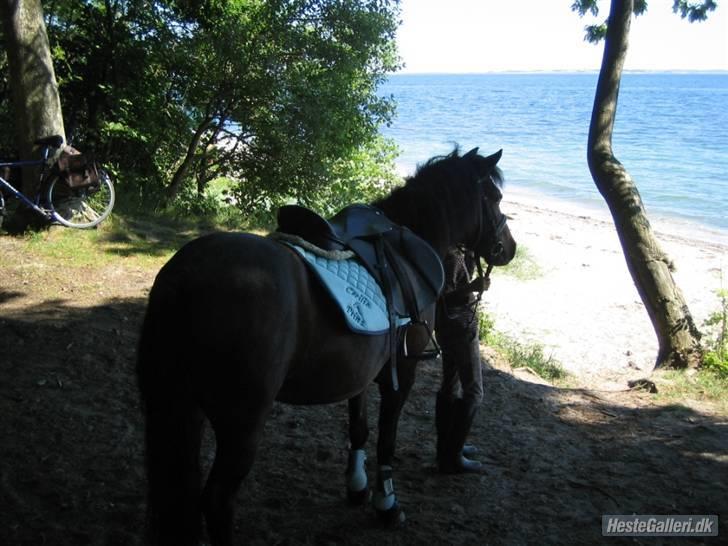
x=583, y=307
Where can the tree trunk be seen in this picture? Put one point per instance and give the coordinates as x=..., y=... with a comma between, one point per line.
x=181, y=173
x=650, y=267
x=32, y=78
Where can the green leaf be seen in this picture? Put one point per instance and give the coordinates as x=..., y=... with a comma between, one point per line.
x=693, y=11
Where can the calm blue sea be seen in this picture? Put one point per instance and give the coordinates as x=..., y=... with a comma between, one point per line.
x=671, y=133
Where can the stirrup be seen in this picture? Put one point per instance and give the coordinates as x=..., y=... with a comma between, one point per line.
x=431, y=350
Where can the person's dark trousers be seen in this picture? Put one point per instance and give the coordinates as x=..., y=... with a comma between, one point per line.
x=461, y=392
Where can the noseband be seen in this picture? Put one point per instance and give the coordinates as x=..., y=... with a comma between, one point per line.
x=498, y=228
x=496, y=224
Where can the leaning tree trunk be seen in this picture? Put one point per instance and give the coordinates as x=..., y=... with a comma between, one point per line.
x=32, y=78
x=650, y=267
x=180, y=174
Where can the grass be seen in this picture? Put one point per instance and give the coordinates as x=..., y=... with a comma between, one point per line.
x=98, y=247
x=63, y=263
x=710, y=381
x=523, y=266
x=704, y=385
x=63, y=246
x=150, y=239
x=147, y=239
x=521, y=355
x=716, y=340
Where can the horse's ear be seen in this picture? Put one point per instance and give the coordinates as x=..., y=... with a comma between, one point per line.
x=492, y=160
x=471, y=153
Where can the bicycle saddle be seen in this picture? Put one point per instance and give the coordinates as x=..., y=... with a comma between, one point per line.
x=54, y=141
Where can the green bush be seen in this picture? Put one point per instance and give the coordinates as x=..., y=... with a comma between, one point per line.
x=366, y=175
x=486, y=326
x=716, y=353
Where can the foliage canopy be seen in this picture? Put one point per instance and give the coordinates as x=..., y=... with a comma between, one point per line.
x=692, y=11
x=279, y=95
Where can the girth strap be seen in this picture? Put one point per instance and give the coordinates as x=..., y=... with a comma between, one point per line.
x=388, y=289
x=405, y=282
x=393, y=274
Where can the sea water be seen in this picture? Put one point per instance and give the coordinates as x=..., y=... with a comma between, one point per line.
x=671, y=133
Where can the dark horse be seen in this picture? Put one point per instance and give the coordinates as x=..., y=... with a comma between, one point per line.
x=236, y=321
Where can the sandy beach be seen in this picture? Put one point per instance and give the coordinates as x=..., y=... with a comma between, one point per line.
x=580, y=302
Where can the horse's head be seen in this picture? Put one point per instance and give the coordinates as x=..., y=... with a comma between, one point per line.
x=454, y=200
x=491, y=239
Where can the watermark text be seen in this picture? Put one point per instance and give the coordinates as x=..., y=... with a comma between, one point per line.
x=659, y=525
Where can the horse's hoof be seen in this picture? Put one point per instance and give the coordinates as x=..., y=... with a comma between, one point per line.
x=357, y=498
x=394, y=517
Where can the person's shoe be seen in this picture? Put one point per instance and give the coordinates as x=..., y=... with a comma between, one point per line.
x=469, y=450
x=459, y=465
x=451, y=453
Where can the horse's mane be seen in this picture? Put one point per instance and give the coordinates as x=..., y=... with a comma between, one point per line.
x=438, y=202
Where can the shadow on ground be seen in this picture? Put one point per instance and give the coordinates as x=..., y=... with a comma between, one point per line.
x=556, y=460
x=130, y=236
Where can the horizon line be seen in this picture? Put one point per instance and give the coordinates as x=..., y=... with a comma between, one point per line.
x=559, y=71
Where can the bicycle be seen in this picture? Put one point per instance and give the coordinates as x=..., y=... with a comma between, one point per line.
x=58, y=198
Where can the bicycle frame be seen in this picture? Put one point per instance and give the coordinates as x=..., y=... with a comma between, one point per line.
x=84, y=204
x=35, y=205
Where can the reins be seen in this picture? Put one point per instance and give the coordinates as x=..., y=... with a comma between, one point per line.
x=478, y=285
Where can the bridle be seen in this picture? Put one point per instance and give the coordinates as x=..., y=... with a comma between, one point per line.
x=497, y=223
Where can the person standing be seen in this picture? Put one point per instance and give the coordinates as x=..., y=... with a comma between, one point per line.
x=461, y=390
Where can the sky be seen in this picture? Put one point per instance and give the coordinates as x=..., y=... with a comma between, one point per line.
x=471, y=36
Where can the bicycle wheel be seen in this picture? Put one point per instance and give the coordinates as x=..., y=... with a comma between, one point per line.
x=81, y=207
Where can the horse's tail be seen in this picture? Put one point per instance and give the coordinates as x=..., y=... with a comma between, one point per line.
x=172, y=435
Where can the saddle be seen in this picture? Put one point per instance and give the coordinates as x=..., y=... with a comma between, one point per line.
x=404, y=260
x=405, y=266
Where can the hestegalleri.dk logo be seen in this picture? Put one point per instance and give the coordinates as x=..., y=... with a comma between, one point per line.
x=654, y=525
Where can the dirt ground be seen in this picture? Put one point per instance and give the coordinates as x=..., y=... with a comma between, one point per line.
x=555, y=459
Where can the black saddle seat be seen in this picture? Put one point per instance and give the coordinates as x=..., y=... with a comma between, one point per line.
x=354, y=221
x=361, y=228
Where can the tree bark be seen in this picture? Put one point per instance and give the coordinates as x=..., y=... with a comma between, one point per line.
x=33, y=84
x=181, y=173
x=650, y=267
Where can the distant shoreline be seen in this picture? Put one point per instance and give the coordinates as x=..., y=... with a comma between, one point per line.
x=716, y=72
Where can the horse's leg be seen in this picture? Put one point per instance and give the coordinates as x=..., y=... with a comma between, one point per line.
x=237, y=435
x=357, y=485
x=173, y=434
x=385, y=499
